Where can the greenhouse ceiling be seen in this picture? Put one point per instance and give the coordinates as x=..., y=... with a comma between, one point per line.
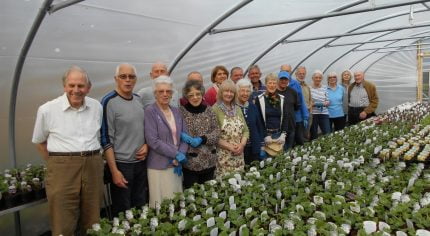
x=377, y=36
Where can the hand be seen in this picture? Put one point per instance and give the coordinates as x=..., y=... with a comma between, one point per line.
x=268, y=139
x=142, y=152
x=305, y=124
x=195, y=142
x=185, y=137
x=178, y=170
x=262, y=155
x=118, y=179
x=180, y=157
x=238, y=149
x=326, y=103
x=363, y=115
x=319, y=104
x=281, y=139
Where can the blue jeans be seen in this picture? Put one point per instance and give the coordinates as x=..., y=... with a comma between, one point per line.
x=135, y=195
x=321, y=121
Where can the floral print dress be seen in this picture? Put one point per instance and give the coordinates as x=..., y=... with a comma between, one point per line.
x=233, y=129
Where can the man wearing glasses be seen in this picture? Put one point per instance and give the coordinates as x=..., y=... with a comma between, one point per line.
x=147, y=94
x=123, y=140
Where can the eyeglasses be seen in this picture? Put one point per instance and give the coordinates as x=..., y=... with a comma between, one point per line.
x=164, y=91
x=125, y=76
x=191, y=95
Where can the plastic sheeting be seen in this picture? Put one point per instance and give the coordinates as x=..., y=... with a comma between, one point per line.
x=99, y=34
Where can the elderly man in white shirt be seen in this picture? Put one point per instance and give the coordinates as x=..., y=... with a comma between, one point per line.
x=66, y=133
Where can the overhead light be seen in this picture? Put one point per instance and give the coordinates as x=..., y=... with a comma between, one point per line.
x=411, y=15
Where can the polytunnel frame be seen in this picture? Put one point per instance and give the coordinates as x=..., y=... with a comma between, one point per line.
x=46, y=7
x=351, y=33
x=395, y=41
x=332, y=13
x=370, y=40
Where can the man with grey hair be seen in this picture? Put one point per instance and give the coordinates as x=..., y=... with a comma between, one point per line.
x=236, y=74
x=123, y=141
x=66, y=134
x=363, y=99
x=306, y=91
x=146, y=94
x=258, y=87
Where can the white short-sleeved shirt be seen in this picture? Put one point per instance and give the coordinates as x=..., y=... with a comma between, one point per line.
x=67, y=129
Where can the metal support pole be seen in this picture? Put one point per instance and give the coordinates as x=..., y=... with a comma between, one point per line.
x=62, y=5
x=205, y=32
x=420, y=73
x=356, y=33
x=376, y=41
x=12, y=103
x=316, y=17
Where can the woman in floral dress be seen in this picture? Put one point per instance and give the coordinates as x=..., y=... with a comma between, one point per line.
x=234, y=131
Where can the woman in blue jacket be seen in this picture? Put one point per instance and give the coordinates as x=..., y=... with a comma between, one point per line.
x=252, y=151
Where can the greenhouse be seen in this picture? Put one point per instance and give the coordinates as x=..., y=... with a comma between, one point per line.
x=370, y=177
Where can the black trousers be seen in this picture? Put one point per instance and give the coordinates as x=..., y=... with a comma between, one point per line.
x=337, y=123
x=191, y=177
x=354, y=115
x=248, y=155
x=136, y=193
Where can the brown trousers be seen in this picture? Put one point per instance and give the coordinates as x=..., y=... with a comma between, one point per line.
x=74, y=187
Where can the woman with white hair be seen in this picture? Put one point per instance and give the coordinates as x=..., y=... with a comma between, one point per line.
x=336, y=95
x=163, y=127
x=253, y=150
x=320, y=117
x=234, y=131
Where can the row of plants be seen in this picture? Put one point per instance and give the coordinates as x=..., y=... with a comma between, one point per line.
x=336, y=185
x=21, y=185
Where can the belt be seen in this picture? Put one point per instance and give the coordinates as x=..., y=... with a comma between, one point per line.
x=78, y=154
x=272, y=130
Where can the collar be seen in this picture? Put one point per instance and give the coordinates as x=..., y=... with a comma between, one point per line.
x=260, y=85
x=192, y=109
x=334, y=89
x=65, y=104
x=361, y=85
x=246, y=105
x=303, y=83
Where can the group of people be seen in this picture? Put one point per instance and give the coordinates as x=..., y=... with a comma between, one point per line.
x=157, y=141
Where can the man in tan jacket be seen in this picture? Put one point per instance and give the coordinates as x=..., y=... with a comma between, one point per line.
x=362, y=99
